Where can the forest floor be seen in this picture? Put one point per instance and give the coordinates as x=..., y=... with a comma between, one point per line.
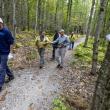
x=35, y=89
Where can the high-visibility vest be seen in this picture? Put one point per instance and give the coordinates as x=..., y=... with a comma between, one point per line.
x=72, y=38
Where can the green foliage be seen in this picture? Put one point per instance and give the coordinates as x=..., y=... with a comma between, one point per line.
x=85, y=54
x=18, y=45
x=59, y=104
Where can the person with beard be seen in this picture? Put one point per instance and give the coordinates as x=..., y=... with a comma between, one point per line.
x=62, y=42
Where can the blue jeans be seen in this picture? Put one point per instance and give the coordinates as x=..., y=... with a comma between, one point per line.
x=71, y=45
x=4, y=69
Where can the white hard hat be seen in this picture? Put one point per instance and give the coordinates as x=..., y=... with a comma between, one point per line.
x=62, y=30
x=1, y=21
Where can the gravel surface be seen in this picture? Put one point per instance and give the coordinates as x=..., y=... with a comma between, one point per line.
x=34, y=89
x=32, y=86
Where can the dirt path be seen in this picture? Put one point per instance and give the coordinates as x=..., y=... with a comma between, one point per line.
x=34, y=89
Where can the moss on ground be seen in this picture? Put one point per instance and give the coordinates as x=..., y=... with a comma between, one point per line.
x=85, y=54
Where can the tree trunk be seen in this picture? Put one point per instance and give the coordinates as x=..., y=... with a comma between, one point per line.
x=36, y=16
x=39, y=14
x=106, y=23
x=89, y=23
x=2, y=8
x=101, y=98
x=42, y=14
x=28, y=15
x=69, y=15
x=14, y=19
x=103, y=4
x=56, y=12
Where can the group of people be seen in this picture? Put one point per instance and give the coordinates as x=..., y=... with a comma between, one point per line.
x=60, y=43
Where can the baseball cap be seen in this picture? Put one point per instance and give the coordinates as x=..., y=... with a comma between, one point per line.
x=62, y=30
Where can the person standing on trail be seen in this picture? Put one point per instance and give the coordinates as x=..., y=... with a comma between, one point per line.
x=63, y=42
x=54, y=45
x=72, y=39
x=41, y=43
x=6, y=40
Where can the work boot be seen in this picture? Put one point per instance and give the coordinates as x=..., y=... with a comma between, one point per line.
x=41, y=67
x=58, y=66
x=9, y=79
x=52, y=59
x=61, y=67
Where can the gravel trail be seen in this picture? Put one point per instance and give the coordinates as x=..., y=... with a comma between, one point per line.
x=34, y=89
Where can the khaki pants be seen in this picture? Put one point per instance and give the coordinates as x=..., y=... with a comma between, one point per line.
x=60, y=54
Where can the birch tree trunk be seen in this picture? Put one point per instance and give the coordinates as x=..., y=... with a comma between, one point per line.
x=101, y=98
x=103, y=4
x=89, y=23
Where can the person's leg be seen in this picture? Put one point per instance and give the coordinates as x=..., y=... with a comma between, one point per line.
x=0, y=59
x=39, y=51
x=9, y=73
x=57, y=55
x=63, y=51
x=0, y=74
x=3, y=65
x=41, y=54
x=72, y=45
x=53, y=53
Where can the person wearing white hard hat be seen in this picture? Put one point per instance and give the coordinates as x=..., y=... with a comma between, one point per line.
x=62, y=42
x=6, y=40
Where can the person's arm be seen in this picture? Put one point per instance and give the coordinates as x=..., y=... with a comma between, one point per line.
x=54, y=37
x=10, y=39
x=46, y=42
x=56, y=41
x=67, y=41
x=37, y=42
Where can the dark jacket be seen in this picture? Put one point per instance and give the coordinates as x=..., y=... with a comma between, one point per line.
x=54, y=38
x=6, y=40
